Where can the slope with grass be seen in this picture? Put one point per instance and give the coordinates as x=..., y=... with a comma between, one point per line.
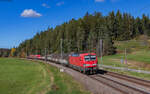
x=138, y=56
x=29, y=77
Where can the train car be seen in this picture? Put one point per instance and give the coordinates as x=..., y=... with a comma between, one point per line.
x=34, y=57
x=86, y=62
x=58, y=59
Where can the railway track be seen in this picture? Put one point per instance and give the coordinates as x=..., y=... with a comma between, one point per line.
x=121, y=87
x=109, y=85
x=113, y=80
x=142, y=82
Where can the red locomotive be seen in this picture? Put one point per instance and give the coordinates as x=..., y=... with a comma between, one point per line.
x=86, y=62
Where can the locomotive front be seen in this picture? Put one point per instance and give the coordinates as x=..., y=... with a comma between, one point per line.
x=90, y=62
x=85, y=62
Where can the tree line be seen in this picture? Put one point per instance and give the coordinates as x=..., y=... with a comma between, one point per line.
x=83, y=34
x=4, y=52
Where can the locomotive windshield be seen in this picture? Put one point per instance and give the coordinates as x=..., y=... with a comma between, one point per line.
x=87, y=58
x=93, y=57
x=90, y=57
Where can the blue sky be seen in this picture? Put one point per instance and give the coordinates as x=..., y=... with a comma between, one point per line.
x=22, y=19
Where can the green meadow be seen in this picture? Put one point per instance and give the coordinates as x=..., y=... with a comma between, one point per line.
x=137, y=56
x=30, y=77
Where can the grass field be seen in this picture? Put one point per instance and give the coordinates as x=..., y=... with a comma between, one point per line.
x=27, y=77
x=138, y=57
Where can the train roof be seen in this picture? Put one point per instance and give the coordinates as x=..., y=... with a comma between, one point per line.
x=82, y=54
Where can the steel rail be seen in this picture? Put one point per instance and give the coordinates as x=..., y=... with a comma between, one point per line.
x=107, y=84
x=121, y=84
x=142, y=82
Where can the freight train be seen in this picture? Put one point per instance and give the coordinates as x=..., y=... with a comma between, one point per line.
x=84, y=62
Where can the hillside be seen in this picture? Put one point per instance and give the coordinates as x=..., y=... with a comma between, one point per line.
x=137, y=55
x=136, y=50
x=138, y=44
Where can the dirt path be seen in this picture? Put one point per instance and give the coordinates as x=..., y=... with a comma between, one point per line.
x=45, y=72
x=50, y=74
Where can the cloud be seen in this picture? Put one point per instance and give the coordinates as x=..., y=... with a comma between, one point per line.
x=30, y=13
x=59, y=3
x=99, y=0
x=45, y=5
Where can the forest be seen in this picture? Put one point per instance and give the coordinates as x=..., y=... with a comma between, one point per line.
x=84, y=34
x=4, y=52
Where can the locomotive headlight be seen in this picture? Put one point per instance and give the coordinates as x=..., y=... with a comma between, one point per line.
x=86, y=65
x=94, y=64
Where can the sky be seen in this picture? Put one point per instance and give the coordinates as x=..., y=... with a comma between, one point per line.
x=22, y=19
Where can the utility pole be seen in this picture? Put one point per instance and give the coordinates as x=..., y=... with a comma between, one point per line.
x=26, y=52
x=36, y=52
x=61, y=46
x=69, y=45
x=125, y=56
x=101, y=50
x=45, y=54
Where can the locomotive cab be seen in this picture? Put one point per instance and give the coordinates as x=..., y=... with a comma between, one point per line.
x=90, y=63
x=86, y=62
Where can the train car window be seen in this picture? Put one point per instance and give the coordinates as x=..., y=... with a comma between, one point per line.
x=75, y=55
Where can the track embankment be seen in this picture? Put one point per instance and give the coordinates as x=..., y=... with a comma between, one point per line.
x=89, y=83
x=107, y=82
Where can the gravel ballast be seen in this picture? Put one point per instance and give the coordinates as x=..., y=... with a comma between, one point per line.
x=90, y=84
